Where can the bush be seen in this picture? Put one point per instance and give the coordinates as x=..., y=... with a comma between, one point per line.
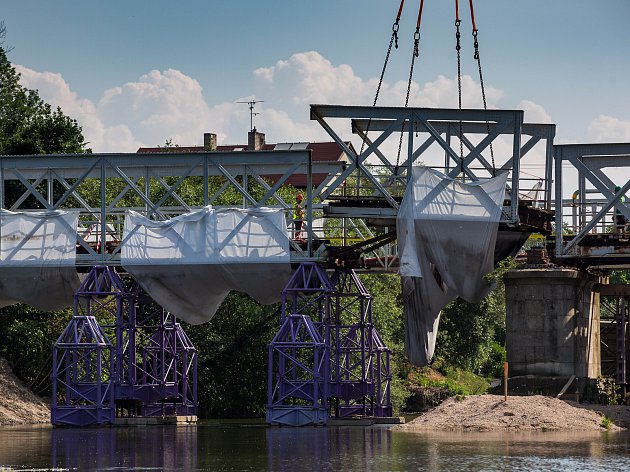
x=607, y=391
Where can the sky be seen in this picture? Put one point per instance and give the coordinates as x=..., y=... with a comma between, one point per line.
x=138, y=72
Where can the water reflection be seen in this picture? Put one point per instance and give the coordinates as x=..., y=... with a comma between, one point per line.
x=126, y=448
x=233, y=447
x=325, y=449
x=524, y=451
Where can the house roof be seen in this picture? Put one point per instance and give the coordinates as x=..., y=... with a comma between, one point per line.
x=320, y=152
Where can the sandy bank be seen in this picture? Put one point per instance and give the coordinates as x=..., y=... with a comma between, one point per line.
x=534, y=413
x=18, y=405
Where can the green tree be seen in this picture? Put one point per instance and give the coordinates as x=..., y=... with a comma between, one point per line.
x=26, y=339
x=471, y=336
x=28, y=125
x=232, y=364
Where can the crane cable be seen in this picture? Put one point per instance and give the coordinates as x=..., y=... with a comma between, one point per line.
x=458, y=48
x=416, y=53
x=477, y=56
x=393, y=41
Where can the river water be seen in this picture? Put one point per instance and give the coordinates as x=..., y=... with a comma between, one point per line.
x=255, y=447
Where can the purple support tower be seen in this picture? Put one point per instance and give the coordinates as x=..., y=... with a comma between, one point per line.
x=298, y=368
x=82, y=386
x=167, y=362
x=300, y=357
x=84, y=371
x=150, y=370
x=361, y=375
x=357, y=366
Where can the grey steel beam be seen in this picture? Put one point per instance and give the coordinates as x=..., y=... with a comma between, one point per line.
x=540, y=130
x=448, y=114
x=72, y=166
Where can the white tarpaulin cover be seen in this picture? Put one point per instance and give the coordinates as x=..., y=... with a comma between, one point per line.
x=190, y=263
x=446, y=236
x=37, y=258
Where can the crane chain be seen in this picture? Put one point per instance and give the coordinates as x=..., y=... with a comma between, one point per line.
x=458, y=48
x=393, y=41
x=483, y=95
x=416, y=53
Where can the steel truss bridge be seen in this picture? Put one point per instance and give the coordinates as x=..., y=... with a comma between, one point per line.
x=351, y=212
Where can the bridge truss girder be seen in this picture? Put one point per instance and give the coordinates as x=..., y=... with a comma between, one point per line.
x=433, y=123
x=536, y=132
x=594, y=164
x=98, y=185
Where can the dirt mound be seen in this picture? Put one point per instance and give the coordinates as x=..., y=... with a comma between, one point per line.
x=619, y=414
x=491, y=413
x=18, y=405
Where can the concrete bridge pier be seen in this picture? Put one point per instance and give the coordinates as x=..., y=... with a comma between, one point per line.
x=553, y=330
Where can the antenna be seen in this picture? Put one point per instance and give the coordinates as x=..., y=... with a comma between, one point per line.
x=251, y=105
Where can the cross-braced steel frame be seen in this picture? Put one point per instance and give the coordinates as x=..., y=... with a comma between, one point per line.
x=329, y=316
x=378, y=173
x=150, y=369
x=298, y=368
x=360, y=377
x=592, y=208
x=615, y=304
x=478, y=129
x=163, y=358
x=161, y=185
x=82, y=375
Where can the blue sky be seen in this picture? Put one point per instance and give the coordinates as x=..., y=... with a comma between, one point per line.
x=140, y=72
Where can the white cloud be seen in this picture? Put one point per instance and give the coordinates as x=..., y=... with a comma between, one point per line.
x=443, y=93
x=158, y=106
x=169, y=104
x=55, y=90
x=308, y=77
x=534, y=113
x=608, y=129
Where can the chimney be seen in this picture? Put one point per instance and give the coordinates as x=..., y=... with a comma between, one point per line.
x=255, y=140
x=209, y=141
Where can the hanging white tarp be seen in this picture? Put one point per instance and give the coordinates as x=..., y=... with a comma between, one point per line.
x=190, y=263
x=446, y=236
x=37, y=258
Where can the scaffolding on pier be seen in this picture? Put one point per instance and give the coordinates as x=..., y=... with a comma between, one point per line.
x=327, y=359
x=150, y=369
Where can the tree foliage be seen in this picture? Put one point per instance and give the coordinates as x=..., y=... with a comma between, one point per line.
x=471, y=336
x=26, y=339
x=28, y=125
x=232, y=359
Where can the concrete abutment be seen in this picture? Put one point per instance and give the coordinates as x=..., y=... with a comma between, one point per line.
x=552, y=328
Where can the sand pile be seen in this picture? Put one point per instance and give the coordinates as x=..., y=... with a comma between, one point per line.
x=534, y=413
x=18, y=405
